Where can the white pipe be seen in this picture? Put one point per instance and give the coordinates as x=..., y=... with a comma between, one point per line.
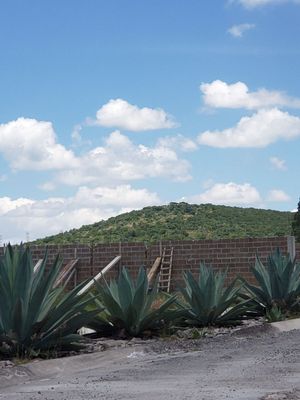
x=37, y=266
x=100, y=275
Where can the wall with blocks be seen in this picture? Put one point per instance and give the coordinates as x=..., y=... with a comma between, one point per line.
x=235, y=255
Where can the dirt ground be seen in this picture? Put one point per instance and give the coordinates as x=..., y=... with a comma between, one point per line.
x=256, y=363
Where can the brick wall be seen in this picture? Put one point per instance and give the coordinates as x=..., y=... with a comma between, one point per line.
x=298, y=251
x=236, y=255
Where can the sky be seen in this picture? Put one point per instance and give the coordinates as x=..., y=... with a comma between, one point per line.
x=110, y=106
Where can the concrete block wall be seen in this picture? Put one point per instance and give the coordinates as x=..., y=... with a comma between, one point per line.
x=68, y=253
x=235, y=255
x=297, y=246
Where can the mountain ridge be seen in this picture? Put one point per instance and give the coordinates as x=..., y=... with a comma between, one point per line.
x=179, y=221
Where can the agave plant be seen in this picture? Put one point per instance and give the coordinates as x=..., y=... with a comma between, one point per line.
x=278, y=283
x=35, y=317
x=129, y=306
x=209, y=302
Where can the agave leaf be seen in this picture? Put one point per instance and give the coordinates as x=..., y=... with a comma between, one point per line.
x=278, y=283
x=209, y=302
x=34, y=315
x=140, y=292
x=110, y=300
x=162, y=313
x=128, y=304
x=125, y=290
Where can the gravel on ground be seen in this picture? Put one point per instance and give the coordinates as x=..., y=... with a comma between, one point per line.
x=253, y=363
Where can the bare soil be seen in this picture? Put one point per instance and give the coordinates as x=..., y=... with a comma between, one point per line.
x=253, y=363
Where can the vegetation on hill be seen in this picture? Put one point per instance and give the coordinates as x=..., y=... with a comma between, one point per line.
x=180, y=221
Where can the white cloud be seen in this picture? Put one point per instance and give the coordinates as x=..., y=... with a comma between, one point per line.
x=259, y=130
x=7, y=204
x=239, y=30
x=76, y=134
x=250, y=4
x=121, y=160
x=121, y=114
x=77, y=139
x=219, y=94
x=123, y=196
x=228, y=194
x=277, y=163
x=277, y=195
x=47, y=186
x=45, y=217
x=234, y=194
x=30, y=144
x=178, y=142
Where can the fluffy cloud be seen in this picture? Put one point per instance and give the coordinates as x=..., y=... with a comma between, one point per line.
x=219, y=94
x=228, y=194
x=7, y=204
x=45, y=217
x=178, y=142
x=259, y=3
x=259, y=130
x=234, y=194
x=47, y=186
x=121, y=114
x=277, y=195
x=278, y=163
x=121, y=160
x=30, y=144
x=239, y=30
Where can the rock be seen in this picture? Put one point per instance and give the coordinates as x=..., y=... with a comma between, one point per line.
x=6, y=364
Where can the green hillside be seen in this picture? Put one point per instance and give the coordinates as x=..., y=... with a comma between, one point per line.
x=180, y=221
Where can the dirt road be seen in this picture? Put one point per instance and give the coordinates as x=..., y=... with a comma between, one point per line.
x=252, y=364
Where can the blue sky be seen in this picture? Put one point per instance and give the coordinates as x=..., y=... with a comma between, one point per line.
x=112, y=106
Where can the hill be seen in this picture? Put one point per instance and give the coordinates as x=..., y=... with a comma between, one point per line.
x=180, y=221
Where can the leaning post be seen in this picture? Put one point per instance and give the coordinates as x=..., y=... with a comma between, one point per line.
x=291, y=246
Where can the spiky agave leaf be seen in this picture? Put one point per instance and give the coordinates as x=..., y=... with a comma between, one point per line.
x=209, y=302
x=129, y=304
x=278, y=283
x=34, y=316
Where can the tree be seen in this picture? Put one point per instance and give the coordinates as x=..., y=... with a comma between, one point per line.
x=296, y=224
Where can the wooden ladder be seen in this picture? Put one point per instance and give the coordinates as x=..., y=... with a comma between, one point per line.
x=164, y=280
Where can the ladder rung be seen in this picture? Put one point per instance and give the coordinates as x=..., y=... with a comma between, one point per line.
x=164, y=281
